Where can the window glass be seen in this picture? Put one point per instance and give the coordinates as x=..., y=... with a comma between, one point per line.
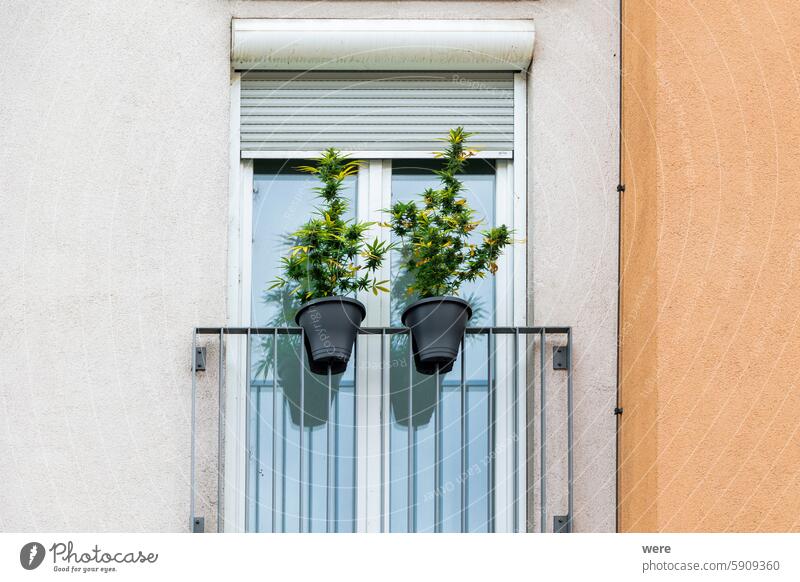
x=414, y=444
x=282, y=199
x=283, y=441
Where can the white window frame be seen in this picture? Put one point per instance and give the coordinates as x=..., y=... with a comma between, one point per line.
x=511, y=284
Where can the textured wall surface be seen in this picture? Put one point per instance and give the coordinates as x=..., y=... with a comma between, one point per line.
x=638, y=293
x=114, y=184
x=573, y=226
x=711, y=266
x=113, y=173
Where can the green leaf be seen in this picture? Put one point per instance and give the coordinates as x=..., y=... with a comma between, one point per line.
x=435, y=239
x=322, y=252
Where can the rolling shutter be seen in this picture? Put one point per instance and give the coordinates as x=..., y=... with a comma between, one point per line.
x=374, y=111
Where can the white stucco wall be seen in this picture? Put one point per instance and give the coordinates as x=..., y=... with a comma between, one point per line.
x=573, y=175
x=114, y=133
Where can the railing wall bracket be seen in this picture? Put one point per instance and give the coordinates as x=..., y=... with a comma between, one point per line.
x=200, y=359
x=561, y=524
x=560, y=357
x=199, y=525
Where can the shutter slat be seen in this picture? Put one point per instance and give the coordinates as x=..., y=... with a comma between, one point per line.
x=372, y=76
x=354, y=118
x=320, y=104
x=362, y=137
x=377, y=84
x=355, y=113
x=424, y=147
x=347, y=128
x=374, y=111
x=397, y=93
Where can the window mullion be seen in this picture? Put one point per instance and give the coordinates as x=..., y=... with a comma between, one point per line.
x=368, y=374
x=385, y=201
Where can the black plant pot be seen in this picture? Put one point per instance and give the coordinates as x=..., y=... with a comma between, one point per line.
x=437, y=327
x=331, y=325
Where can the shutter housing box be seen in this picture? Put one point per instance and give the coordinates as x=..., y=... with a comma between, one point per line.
x=381, y=45
x=377, y=86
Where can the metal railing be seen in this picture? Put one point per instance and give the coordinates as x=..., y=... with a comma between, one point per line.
x=523, y=364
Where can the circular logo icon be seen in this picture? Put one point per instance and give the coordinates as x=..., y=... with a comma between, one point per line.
x=31, y=555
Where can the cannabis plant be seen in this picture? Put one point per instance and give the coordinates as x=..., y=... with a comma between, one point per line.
x=330, y=255
x=437, y=248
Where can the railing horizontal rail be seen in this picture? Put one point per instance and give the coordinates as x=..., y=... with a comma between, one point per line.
x=350, y=383
x=378, y=330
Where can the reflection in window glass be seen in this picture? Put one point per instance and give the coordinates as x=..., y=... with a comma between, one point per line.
x=282, y=199
x=413, y=431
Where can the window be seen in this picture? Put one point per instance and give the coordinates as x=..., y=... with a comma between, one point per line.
x=362, y=451
x=416, y=463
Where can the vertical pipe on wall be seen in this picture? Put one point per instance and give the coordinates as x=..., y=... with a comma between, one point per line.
x=620, y=181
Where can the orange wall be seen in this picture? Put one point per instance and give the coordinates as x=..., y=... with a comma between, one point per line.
x=710, y=265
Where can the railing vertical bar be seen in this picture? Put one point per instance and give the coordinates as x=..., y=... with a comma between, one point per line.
x=491, y=415
x=410, y=450
x=310, y=481
x=284, y=445
x=437, y=458
x=570, y=441
x=248, y=440
x=542, y=433
x=336, y=439
x=274, y=504
x=220, y=428
x=463, y=451
x=515, y=430
x=194, y=429
x=257, y=493
x=383, y=431
x=302, y=429
x=329, y=457
x=415, y=437
x=356, y=390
